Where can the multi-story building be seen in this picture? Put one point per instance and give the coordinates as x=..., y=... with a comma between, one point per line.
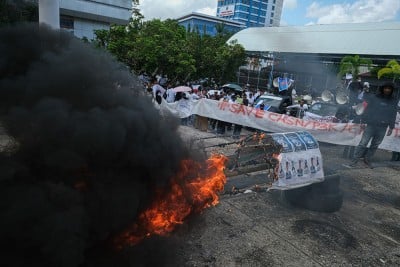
x=205, y=24
x=82, y=17
x=312, y=54
x=253, y=13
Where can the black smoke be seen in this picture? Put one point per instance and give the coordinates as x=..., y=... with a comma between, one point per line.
x=13, y=11
x=311, y=74
x=85, y=151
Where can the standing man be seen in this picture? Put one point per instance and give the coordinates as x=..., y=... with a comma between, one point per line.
x=363, y=94
x=170, y=94
x=157, y=90
x=354, y=88
x=379, y=115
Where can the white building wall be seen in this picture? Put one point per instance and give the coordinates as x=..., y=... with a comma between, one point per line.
x=85, y=28
x=89, y=15
x=277, y=13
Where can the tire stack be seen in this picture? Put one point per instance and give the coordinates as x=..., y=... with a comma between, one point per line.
x=322, y=197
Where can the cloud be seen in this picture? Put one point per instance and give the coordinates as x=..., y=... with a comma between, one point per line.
x=290, y=4
x=208, y=10
x=284, y=23
x=172, y=9
x=357, y=12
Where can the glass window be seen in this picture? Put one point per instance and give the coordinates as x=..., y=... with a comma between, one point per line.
x=274, y=102
x=66, y=22
x=324, y=109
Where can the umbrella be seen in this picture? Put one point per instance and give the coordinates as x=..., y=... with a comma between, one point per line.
x=182, y=89
x=233, y=86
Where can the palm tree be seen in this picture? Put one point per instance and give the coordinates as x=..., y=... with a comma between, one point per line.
x=220, y=28
x=352, y=64
x=392, y=69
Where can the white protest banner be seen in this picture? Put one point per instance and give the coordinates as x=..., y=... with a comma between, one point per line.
x=335, y=133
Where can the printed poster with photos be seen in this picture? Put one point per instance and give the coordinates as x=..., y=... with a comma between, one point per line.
x=300, y=161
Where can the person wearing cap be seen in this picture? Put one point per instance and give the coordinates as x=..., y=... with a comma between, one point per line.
x=379, y=115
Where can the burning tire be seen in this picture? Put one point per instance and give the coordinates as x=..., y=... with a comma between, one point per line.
x=330, y=185
x=323, y=197
x=324, y=202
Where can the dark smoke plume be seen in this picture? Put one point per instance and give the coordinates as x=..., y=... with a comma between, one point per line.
x=87, y=150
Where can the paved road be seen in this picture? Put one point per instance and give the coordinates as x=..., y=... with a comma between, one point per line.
x=262, y=229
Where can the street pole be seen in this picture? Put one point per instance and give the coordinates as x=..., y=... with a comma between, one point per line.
x=271, y=74
x=238, y=77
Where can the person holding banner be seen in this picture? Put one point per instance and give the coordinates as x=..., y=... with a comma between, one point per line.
x=378, y=116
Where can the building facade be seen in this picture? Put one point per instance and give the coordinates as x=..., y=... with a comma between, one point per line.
x=312, y=54
x=205, y=24
x=253, y=13
x=82, y=17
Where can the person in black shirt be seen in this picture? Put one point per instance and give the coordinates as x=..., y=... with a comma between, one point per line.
x=355, y=88
x=379, y=114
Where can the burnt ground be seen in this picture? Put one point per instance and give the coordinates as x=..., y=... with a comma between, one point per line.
x=260, y=228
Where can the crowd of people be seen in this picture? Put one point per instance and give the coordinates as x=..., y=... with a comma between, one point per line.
x=376, y=112
x=166, y=92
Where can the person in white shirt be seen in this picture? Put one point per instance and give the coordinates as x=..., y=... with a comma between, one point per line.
x=257, y=94
x=157, y=90
x=194, y=95
x=251, y=99
x=170, y=94
x=303, y=104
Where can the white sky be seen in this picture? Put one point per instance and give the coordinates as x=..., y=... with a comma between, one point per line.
x=295, y=12
x=164, y=9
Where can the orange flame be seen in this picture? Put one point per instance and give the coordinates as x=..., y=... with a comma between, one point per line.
x=258, y=137
x=185, y=197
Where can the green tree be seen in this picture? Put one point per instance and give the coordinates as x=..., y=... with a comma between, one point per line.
x=118, y=41
x=137, y=18
x=228, y=59
x=165, y=47
x=214, y=57
x=392, y=70
x=162, y=46
x=352, y=64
